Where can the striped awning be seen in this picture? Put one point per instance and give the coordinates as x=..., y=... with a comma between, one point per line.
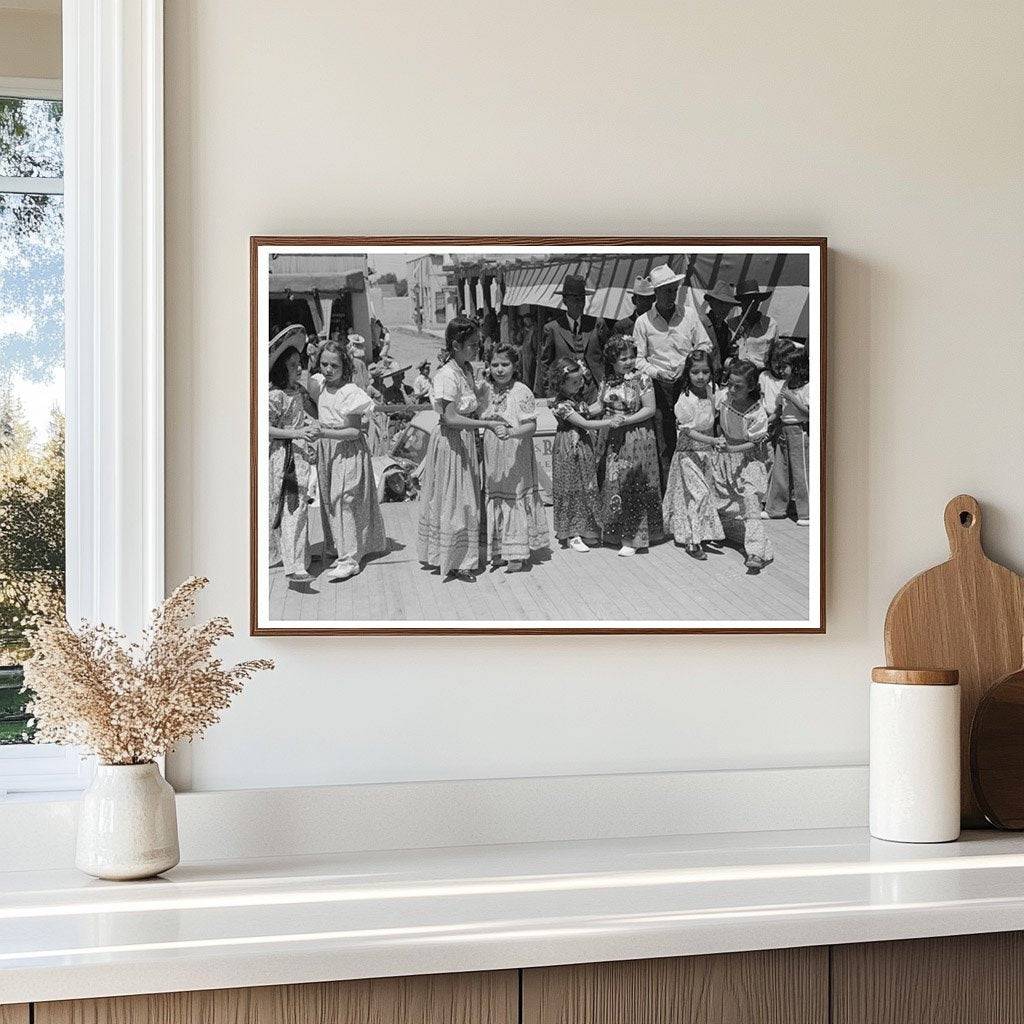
x=536, y=286
x=612, y=276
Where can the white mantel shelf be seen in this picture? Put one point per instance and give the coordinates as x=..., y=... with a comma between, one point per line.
x=267, y=922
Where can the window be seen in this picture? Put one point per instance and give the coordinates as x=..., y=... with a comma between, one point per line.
x=32, y=563
x=81, y=188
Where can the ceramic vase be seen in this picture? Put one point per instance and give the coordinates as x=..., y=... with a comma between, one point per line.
x=915, y=755
x=127, y=825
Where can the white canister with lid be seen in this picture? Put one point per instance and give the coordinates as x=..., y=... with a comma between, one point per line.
x=915, y=755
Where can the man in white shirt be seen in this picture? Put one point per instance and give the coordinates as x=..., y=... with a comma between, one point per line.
x=664, y=336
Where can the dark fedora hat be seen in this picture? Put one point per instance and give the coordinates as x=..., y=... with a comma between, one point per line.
x=751, y=291
x=722, y=293
x=574, y=286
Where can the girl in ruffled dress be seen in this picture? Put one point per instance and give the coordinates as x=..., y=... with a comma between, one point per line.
x=449, y=525
x=631, y=491
x=293, y=433
x=689, y=506
x=516, y=520
x=352, y=522
x=739, y=474
x=574, y=490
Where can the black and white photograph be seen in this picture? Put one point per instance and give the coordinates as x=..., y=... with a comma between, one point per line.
x=497, y=435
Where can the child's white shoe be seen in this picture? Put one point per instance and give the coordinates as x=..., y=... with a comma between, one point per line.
x=626, y=551
x=803, y=522
x=577, y=544
x=764, y=515
x=343, y=572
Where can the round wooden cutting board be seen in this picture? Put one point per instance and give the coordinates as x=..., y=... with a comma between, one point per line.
x=967, y=614
x=997, y=752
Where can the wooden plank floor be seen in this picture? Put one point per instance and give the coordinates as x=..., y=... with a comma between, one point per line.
x=663, y=584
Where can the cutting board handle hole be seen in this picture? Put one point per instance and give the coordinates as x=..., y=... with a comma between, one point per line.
x=966, y=519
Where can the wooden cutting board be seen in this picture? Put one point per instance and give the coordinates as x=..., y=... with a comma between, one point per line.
x=997, y=752
x=967, y=614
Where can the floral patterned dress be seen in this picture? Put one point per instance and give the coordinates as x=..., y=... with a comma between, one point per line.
x=631, y=488
x=449, y=526
x=349, y=510
x=739, y=480
x=689, y=505
x=291, y=467
x=574, y=491
x=516, y=520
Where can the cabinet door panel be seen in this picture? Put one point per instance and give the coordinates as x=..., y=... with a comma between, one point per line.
x=778, y=986
x=960, y=979
x=481, y=998
x=14, y=1013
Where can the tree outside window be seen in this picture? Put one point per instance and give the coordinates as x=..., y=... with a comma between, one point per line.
x=31, y=387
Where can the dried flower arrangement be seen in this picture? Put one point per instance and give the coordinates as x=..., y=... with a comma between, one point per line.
x=130, y=703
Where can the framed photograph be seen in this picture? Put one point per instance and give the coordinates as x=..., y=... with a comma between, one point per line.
x=537, y=435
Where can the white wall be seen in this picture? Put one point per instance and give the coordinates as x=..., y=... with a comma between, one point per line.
x=895, y=129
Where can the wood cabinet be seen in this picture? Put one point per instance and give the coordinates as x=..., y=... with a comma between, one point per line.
x=775, y=986
x=962, y=979
x=969, y=979
x=483, y=998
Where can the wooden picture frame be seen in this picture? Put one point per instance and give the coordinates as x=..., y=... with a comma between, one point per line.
x=585, y=251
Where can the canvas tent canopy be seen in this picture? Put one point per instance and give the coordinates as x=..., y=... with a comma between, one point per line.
x=612, y=277
x=310, y=288
x=301, y=272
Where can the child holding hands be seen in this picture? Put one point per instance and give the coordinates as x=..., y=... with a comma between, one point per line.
x=689, y=506
x=449, y=526
x=516, y=520
x=739, y=474
x=352, y=522
x=575, y=494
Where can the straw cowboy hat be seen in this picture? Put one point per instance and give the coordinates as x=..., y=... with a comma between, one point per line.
x=293, y=336
x=574, y=286
x=751, y=291
x=722, y=293
x=642, y=287
x=394, y=371
x=664, y=275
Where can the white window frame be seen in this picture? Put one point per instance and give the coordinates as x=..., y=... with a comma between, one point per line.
x=114, y=334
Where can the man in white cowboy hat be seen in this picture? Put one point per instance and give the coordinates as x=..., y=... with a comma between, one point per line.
x=572, y=335
x=753, y=332
x=643, y=299
x=664, y=336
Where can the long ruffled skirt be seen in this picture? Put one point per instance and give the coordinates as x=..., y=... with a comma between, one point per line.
x=449, y=527
x=289, y=506
x=739, y=481
x=352, y=521
x=516, y=520
x=689, y=506
x=631, y=490
x=574, y=490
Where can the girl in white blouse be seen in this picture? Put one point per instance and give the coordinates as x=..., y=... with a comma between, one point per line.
x=689, y=507
x=449, y=527
x=739, y=473
x=352, y=522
